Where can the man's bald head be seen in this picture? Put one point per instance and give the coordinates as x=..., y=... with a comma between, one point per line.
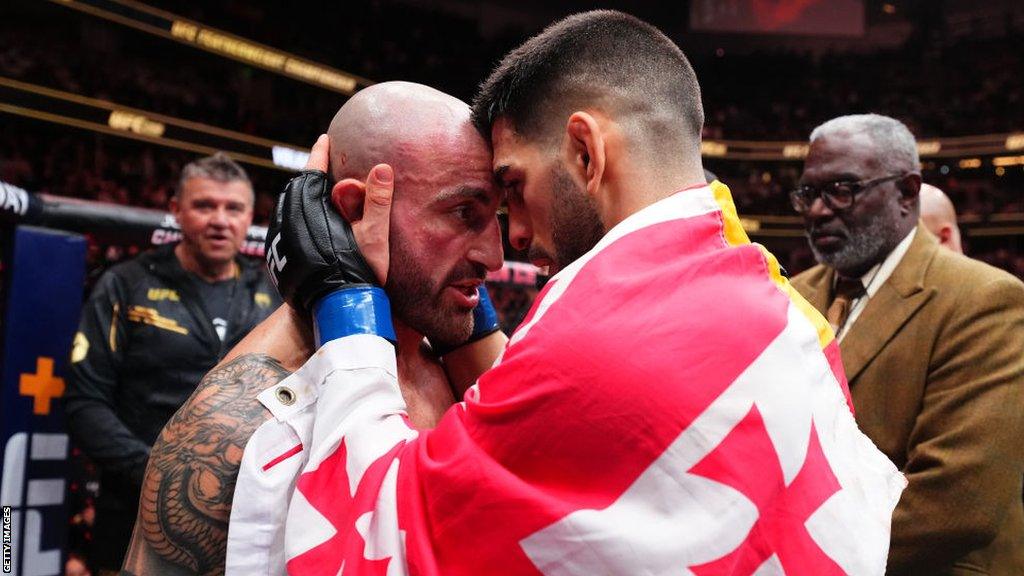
x=444, y=235
x=939, y=216
x=399, y=123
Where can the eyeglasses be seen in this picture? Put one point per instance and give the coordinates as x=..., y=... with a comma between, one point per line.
x=836, y=195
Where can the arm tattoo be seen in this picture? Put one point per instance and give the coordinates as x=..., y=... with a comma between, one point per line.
x=190, y=481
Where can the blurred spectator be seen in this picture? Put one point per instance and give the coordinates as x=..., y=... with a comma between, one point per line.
x=76, y=566
x=939, y=217
x=512, y=303
x=942, y=87
x=152, y=327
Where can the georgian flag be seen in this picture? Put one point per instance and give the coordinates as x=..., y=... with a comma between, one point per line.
x=669, y=406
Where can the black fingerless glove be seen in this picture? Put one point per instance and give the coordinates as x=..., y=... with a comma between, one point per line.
x=316, y=265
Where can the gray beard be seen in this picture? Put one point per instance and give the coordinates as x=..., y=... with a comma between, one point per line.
x=863, y=249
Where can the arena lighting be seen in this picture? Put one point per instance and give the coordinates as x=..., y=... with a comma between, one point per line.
x=1002, y=161
x=106, y=129
x=291, y=158
x=69, y=109
x=750, y=224
x=712, y=148
x=951, y=147
x=137, y=123
x=173, y=27
x=42, y=103
x=795, y=150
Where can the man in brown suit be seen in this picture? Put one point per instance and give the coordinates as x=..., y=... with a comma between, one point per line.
x=933, y=346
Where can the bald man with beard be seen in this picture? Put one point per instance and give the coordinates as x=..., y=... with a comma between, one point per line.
x=248, y=422
x=939, y=217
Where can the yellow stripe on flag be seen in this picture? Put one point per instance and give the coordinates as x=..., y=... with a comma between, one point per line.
x=736, y=236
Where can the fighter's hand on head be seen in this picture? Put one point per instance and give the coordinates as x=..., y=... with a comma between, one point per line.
x=319, y=154
x=372, y=229
x=311, y=249
x=313, y=253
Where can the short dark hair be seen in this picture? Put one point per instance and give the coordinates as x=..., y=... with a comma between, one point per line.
x=219, y=167
x=598, y=58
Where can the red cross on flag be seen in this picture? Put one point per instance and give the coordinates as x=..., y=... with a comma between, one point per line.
x=669, y=406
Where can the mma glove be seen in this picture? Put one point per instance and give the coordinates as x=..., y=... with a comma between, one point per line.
x=316, y=265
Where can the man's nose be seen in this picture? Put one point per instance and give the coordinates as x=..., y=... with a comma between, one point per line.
x=487, y=249
x=520, y=234
x=220, y=218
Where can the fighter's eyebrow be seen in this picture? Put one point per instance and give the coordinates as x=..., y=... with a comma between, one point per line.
x=463, y=193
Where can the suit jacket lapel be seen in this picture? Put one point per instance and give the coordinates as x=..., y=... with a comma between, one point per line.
x=890, y=308
x=819, y=291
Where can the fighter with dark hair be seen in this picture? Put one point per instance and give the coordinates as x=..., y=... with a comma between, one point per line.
x=669, y=403
x=585, y=73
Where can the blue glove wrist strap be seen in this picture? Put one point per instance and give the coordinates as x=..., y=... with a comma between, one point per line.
x=485, y=317
x=360, y=310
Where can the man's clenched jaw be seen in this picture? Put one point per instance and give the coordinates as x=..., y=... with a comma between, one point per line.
x=575, y=224
x=440, y=310
x=850, y=248
x=550, y=215
x=853, y=239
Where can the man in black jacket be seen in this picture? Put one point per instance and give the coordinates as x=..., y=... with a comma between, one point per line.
x=152, y=328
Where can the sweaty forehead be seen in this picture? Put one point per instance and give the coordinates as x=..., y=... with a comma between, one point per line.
x=409, y=126
x=443, y=161
x=207, y=189
x=511, y=150
x=503, y=140
x=841, y=155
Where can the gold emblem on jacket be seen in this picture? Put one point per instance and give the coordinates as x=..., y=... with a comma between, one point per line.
x=159, y=294
x=262, y=299
x=153, y=318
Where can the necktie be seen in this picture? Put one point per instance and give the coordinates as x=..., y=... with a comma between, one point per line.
x=847, y=290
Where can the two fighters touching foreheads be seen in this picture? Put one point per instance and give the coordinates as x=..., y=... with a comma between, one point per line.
x=659, y=307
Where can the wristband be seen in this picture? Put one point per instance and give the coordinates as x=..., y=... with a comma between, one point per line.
x=360, y=310
x=485, y=317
